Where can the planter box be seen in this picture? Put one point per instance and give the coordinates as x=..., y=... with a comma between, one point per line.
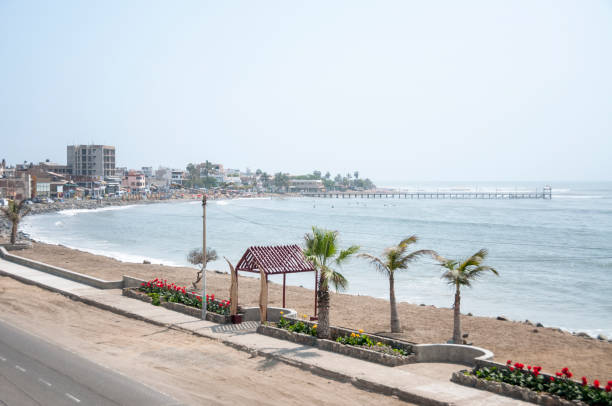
x=178, y=307
x=332, y=346
x=512, y=391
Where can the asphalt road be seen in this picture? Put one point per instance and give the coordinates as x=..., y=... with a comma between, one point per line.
x=35, y=372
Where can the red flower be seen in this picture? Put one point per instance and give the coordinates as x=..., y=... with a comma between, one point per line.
x=558, y=374
x=569, y=374
x=552, y=379
x=608, y=388
x=536, y=373
x=596, y=383
x=212, y=297
x=565, y=369
x=584, y=381
x=529, y=367
x=509, y=362
x=511, y=369
x=610, y=383
x=142, y=284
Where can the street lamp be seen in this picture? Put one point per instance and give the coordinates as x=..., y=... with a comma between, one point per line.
x=203, y=256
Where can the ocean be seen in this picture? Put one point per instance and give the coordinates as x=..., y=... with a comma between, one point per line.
x=554, y=256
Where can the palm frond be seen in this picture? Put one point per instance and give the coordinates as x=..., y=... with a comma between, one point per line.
x=407, y=241
x=416, y=254
x=378, y=263
x=345, y=254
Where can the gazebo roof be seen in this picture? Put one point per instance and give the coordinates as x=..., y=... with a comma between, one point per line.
x=278, y=259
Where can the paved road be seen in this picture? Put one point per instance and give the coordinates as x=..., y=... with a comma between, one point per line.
x=35, y=372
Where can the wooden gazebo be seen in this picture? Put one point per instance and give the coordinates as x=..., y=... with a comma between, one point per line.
x=275, y=260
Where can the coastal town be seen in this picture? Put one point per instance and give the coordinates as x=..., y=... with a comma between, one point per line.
x=90, y=172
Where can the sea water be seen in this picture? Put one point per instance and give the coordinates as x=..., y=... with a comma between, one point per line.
x=554, y=256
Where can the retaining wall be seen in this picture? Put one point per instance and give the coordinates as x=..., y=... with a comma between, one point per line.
x=61, y=272
x=332, y=346
x=453, y=353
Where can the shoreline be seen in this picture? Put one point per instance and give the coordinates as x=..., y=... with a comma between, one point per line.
x=86, y=205
x=524, y=342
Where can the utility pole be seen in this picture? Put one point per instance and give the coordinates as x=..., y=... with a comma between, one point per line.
x=204, y=256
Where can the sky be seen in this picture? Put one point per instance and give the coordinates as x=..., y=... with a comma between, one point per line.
x=397, y=90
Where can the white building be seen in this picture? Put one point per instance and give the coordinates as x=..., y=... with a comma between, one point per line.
x=177, y=176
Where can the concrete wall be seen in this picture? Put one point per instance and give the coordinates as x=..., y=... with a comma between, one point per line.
x=252, y=313
x=63, y=273
x=453, y=353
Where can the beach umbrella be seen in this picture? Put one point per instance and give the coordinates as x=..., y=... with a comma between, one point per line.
x=263, y=296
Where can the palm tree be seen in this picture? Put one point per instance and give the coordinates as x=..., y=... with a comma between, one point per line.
x=323, y=251
x=15, y=212
x=393, y=259
x=463, y=274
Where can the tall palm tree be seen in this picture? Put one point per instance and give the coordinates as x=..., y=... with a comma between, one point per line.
x=321, y=248
x=15, y=212
x=464, y=274
x=393, y=259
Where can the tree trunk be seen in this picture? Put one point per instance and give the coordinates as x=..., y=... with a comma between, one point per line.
x=198, y=279
x=457, y=316
x=395, y=321
x=323, y=324
x=14, y=232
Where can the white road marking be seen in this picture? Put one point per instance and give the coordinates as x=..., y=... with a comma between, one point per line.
x=22, y=369
x=43, y=381
x=73, y=398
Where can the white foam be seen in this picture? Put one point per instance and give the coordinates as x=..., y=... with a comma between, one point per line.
x=74, y=212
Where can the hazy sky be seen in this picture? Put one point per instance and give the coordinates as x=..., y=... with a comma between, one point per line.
x=427, y=90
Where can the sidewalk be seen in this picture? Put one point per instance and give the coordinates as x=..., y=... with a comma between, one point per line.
x=421, y=383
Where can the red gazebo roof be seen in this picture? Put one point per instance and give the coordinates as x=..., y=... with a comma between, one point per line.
x=278, y=259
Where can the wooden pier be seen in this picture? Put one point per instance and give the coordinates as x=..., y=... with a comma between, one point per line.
x=545, y=193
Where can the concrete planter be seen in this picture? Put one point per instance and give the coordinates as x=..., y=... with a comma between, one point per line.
x=512, y=391
x=179, y=307
x=332, y=346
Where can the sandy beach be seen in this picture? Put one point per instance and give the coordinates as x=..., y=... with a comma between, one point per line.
x=549, y=347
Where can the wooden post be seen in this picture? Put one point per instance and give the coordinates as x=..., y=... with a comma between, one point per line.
x=284, y=283
x=316, y=289
x=263, y=296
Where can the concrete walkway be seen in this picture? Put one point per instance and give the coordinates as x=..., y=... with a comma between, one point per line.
x=424, y=383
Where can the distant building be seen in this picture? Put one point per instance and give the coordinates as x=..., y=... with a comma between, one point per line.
x=135, y=181
x=121, y=171
x=60, y=169
x=306, y=185
x=177, y=177
x=91, y=160
x=17, y=187
x=147, y=171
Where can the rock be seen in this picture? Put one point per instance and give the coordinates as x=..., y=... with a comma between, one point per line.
x=422, y=304
x=539, y=325
x=502, y=318
x=470, y=314
x=535, y=330
x=602, y=337
x=466, y=335
x=583, y=334
x=528, y=322
x=146, y=262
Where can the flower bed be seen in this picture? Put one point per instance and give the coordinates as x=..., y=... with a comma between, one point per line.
x=177, y=298
x=355, y=344
x=528, y=383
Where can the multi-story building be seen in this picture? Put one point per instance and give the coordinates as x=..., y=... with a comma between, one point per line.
x=147, y=171
x=59, y=169
x=177, y=176
x=135, y=181
x=91, y=160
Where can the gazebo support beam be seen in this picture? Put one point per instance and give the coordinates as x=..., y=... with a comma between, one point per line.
x=284, y=284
